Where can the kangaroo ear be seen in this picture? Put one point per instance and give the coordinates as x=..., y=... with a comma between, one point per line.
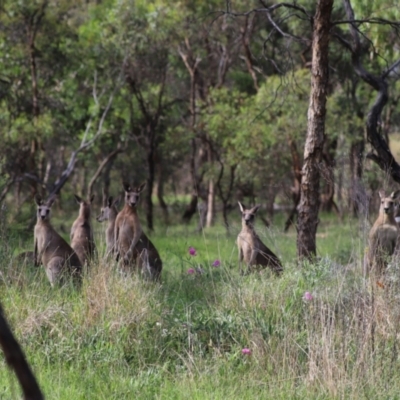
x=242, y=208
x=395, y=194
x=38, y=200
x=116, y=201
x=127, y=187
x=141, y=187
x=255, y=208
x=78, y=199
x=109, y=201
x=92, y=198
x=51, y=200
x=382, y=194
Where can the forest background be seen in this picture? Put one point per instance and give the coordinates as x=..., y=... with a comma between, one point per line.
x=207, y=102
x=196, y=99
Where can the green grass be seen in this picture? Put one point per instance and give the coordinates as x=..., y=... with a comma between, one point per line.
x=121, y=337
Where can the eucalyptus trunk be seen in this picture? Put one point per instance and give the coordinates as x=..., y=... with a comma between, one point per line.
x=310, y=183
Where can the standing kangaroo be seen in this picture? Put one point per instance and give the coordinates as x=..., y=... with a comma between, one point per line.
x=51, y=249
x=82, y=233
x=109, y=213
x=251, y=249
x=383, y=234
x=133, y=247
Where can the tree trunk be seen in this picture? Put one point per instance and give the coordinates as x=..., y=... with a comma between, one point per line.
x=309, y=191
x=202, y=210
x=192, y=64
x=149, y=191
x=225, y=197
x=210, y=203
x=328, y=203
x=160, y=192
x=296, y=167
x=357, y=193
x=190, y=209
x=197, y=189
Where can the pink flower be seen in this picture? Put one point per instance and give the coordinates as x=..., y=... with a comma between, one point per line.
x=191, y=271
x=192, y=251
x=246, y=351
x=216, y=263
x=308, y=296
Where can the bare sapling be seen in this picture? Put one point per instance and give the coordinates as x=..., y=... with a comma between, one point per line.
x=50, y=249
x=252, y=251
x=134, y=249
x=82, y=240
x=383, y=235
x=109, y=213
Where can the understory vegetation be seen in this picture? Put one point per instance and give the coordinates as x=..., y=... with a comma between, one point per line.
x=211, y=333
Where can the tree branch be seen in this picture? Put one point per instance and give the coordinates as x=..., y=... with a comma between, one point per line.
x=106, y=160
x=383, y=156
x=16, y=360
x=83, y=146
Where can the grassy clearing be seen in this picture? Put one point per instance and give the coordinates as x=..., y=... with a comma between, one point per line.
x=120, y=337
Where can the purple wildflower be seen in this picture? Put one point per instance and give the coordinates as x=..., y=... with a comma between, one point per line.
x=216, y=263
x=308, y=296
x=192, y=251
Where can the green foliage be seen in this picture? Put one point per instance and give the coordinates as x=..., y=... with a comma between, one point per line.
x=381, y=35
x=134, y=49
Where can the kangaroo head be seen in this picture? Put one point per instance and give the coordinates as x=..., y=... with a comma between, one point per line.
x=84, y=205
x=389, y=204
x=132, y=195
x=43, y=207
x=107, y=209
x=83, y=202
x=248, y=215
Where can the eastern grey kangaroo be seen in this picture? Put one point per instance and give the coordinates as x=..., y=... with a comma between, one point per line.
x=109, y=213
x=383, y=235
x=51, y=250
x=82, y=240
x=132, y=245
x=251, y=249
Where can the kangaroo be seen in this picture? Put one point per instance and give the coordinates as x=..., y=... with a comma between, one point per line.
x=132, y=245
x=251, y=249
x=383, y=235
x=51, y=249
x=109, y=213
x=81, y=235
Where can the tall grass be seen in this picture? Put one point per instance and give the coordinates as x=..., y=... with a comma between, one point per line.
x=122, y=337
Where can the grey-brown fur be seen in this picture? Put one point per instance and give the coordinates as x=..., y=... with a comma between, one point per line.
x=109, y=213
x=82, y=240
x=133, y=247
x=252, y=251
x=383, y=235
x=51, y=250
